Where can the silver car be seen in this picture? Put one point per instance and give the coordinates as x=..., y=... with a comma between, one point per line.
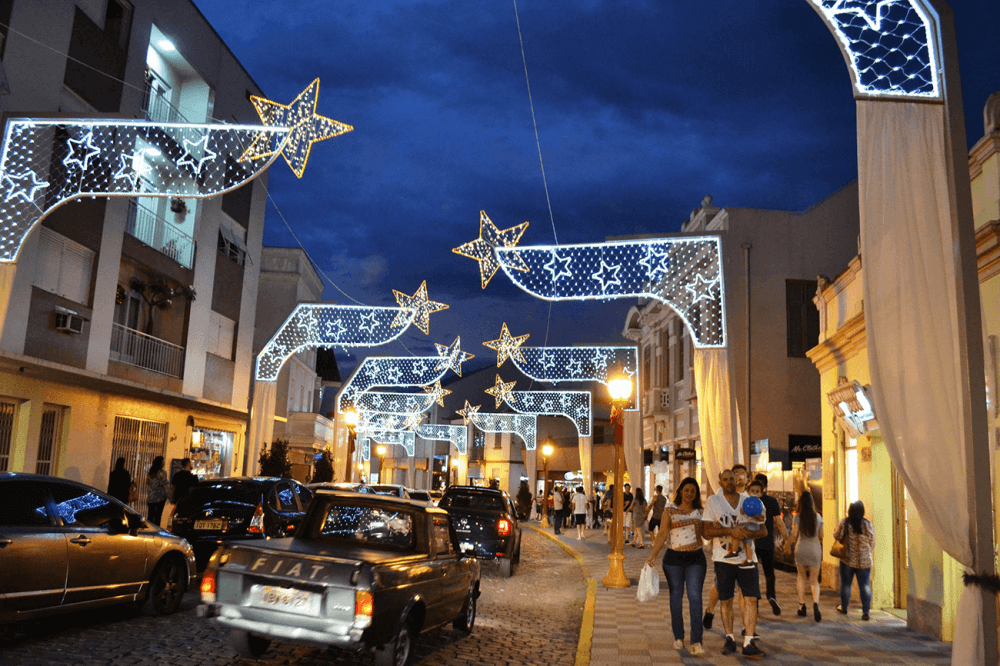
x=66, y=546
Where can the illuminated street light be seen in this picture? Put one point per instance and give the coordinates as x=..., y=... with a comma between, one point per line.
x=547, y=451
x=454, y=469
x=381, y=459
x=620, y=387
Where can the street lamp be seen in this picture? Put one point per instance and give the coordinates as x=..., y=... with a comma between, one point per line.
x=361, y=471
x=546, y=452
x=381, y=459
x=454, y=469
x=620, y=388
x=351, y=419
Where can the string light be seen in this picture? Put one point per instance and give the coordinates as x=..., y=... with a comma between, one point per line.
x=392, y=403
x=491, y=238
x=574, y=405
x=468, y=412
x=579, y=364
x=507, y=346
x=417, y=308
x=402, y=438
x=413, y=371
x=501, y=391
x=457, y=435
x=522, y=425
x=452, y=357
x=436, y=393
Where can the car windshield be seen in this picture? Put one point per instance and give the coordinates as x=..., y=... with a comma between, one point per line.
x=419, y=495
x=222, y=491
x=472, y=501
x=391, y=491
x=371, y=527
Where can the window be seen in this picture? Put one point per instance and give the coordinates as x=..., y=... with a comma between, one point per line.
x=305, y=495
x=231, y=244
x=138, y=441
x=665, y=357
x=64, y=267
x=23, y=504
x=370, y=526
x=283, y=498
x=51, y=422
x=850, y=472
x=6, y=432
x=803, y=317
x=442, y=538
x=219, y=336
x=647, y=368
x=82, y=507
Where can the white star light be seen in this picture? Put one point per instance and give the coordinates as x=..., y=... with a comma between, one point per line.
x=335, y=329
x=548, y=360
x=206, y=155
x=655, y=261
x=132, y=167
x=701, y=288
x=559, y=266
x=575, y=367
x=368, y=322
x=392, y=375
x=24, y=190
x=608, y=275
x=81, y=151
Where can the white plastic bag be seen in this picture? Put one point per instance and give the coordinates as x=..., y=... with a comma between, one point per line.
x=649, y=583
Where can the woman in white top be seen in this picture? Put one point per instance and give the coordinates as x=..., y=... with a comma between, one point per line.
x=807, y=539
x=684, y=562
x=579, y=502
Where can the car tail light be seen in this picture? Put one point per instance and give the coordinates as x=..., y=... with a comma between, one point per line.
x=208, y=587
x=364, y=607
x=503, y=527
x=257, y=522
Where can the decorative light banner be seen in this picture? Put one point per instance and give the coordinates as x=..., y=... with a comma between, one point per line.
x=574, y=405
x=403, y=438
x=524, y=426
x=683, y=272
x=457, y=435
x=381, y=421
x=888, y=45
x=393, y=403
x=577, y=364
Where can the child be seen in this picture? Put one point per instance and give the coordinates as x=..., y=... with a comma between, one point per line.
x=751, y=519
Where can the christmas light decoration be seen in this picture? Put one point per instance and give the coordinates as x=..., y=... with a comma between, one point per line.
x=457, y=435
x=491, y=238
x=452, y=357
x=574, y=405
x=507, y=346
x=522, y=425
x=501, y=391
x=577, y=364
x=436, y=393
x=401, y=438
x=306, y=127
x=888, y=44
x=392, y=403
x=468, y=412
x=417, y=308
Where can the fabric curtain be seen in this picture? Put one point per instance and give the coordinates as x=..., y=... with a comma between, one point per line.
x=530, y=459
x=913, y=327
x=587, y=465
x=717, y=422
x=261, y=423
x=632, y=432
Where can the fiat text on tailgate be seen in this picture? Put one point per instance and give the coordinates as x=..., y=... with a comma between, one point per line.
x=363, y=573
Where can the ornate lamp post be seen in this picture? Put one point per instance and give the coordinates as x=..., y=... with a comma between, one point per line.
x=546, y=452
x=454, y=471
x=620, y=388
x=351, y=419
x=381, y=460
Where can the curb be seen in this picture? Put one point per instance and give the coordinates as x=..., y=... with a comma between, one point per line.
x=587, y=625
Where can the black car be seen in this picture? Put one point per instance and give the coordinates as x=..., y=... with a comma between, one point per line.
x=218, y=511
x=66, y=546
x=485, y=523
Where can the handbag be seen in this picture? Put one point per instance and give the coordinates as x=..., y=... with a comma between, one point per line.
x=839, y=548
x=133, y=493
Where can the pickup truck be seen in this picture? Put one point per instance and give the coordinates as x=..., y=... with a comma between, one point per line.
x=486, y=524
x=363, y=573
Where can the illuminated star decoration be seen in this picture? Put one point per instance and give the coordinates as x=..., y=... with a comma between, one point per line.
x=207, y=154
x=452, y=357
x=306, y=127
x=490, y=238
x=416, y=308
x=368, y=322
x=608, y=275
x=413, y=421
x=20, y=188
x=132, y=168
x=559, y=266
x=81, y=151
x=701, y=288
x=436, y=393
x=507, y=346
x=468, y=411
x=501, y=391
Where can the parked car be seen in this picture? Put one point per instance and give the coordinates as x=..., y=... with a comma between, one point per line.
x=436, y=496
x=66, y=546
x=388, y=489
x=229, y=509
x=486, y=524
x=362, y=573
x=340, y=485
x=420, y=495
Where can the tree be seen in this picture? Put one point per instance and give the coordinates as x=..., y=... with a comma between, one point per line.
x=274, y=461
x=524, y=500
x=323, y=469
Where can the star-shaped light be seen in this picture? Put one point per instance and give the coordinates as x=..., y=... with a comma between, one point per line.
x=81, y=151
x=131, y=168
x=468, y=412
x=452, y=356
x=436, y=393
x=392, y=375
x=368, y=322
x=305, y=127
x=335, y=329
x=207, y=154
x=501, y=391
x=559, y=266
x=419, y=367
x=575, y=367
x=416, y=308
x=413, y=421
x=490, y=237
x=701, y=288
x=507, y=346
x=548, y=359
x=20, y=187
x=656, y=261
x=608, y=275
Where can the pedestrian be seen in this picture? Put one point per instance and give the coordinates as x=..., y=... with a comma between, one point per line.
x=655, y=512
x=579, y=503
x=684, y=562
x=183, y=480
x=639, y=510
x=765, y=544
x=157, y=480
x=627, y=499
x=720, y=523
x=740, y=475
x=608, y=506
x=807, y=540
x=568, y=518
x=120, y=482
x=859, y=536
x=557, y=510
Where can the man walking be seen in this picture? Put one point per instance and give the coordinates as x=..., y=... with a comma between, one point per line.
x=656, y=507
x=557, y=509
x=720, y=522
x=183, y=480
x=765, y=544
x=627, y=499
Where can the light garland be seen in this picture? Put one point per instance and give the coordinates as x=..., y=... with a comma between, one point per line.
x=491, y=238
x=507, y=346
x=524, y=426
x=392, y=403
x=574, y=405
x=501, y=391
x=580, y=364
x=417, y=308
x=403, y=438
x=457, y=435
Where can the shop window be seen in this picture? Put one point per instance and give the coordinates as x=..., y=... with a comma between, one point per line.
x=210, y=452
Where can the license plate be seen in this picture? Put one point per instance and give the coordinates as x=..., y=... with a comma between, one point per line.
x=214, y=525
x=289, y=599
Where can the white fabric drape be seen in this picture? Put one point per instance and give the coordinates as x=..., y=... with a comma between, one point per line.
x=913, y=328
x=632, y=432
x=717, y=421
x=261, y=423
x=587, y=465
x=530, y=459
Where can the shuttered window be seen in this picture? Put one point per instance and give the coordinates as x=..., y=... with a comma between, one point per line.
x=47, y=438
x=64, y=267
x=138, y=441
x=6, y=432
x=219, y=337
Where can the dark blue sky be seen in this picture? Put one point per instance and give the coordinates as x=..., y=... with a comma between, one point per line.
x=643, y=108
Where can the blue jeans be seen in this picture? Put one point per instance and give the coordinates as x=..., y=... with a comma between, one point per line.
x=864, y=576
x=692, y=576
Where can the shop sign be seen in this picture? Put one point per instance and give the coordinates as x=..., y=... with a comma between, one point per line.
x=684, y=454
x=852, y=406
x=804, y=447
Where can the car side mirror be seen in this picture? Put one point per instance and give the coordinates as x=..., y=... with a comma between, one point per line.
x=134, y=522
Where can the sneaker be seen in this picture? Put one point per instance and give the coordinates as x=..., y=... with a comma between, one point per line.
x=752, y=651
x=679, y=644
x=816, y=614
x=697, y=650
x=748, y=564
x=743, y=633
x=729, y=647
x=775, y=608
x=731, y=555
x=707, y=620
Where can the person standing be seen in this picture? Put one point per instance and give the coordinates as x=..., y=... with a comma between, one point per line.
x=580, y=503
x=656, y=507
x=557, y=510
x=608, y=505
x=156, y=478
x=720, y=522
x=765, y=544
x=684, y=562
x=859, y=535
x=183, y=481
x=120, y=482
x=639, y=510
x=627, y=499
x=807, y=539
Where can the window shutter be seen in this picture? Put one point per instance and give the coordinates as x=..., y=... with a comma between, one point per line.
x=77, y=267
x=49, y=260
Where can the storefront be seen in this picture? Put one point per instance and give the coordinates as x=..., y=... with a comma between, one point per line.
x=211, y=452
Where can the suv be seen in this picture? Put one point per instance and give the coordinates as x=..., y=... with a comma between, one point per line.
x=485, y=523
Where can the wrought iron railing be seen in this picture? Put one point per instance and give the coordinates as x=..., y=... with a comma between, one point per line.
x=145, y=351
x=159, y=234
x=158, y=109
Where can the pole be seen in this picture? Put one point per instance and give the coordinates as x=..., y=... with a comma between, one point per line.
x=545, y=496
x=616, y=571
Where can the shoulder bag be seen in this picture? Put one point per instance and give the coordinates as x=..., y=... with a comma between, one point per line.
x=839, y=548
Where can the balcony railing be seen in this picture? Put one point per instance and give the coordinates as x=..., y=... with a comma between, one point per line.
x=158, y=109
x=144, y=351
x=159, y=234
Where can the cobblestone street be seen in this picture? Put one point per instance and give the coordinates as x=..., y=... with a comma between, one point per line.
x=515, y=625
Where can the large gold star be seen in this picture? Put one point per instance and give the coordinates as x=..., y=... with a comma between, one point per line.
x=436, y=393
x=416, y=307
x=468, y=411
x=490, y=237
x=305, y=127
x=451, y=356
x=507, y=346
x=501, y=391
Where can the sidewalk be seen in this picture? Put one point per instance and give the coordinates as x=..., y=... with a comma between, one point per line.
x=626, y=631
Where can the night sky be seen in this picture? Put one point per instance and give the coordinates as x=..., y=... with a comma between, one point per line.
x=643, y=108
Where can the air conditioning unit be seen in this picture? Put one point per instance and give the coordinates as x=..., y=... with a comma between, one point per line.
x=69, y=323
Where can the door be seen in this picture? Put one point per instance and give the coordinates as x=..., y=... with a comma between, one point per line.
x=454, y=583
x=32, y=549
x=900, y=542
x=104, y=560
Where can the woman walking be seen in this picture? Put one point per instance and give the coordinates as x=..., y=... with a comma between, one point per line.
x=859, y=535
x=158, y=482
x=638, y=519
x=807, y=540
x=684, y=562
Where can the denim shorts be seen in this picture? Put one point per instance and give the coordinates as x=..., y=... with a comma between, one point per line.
x=727, y=575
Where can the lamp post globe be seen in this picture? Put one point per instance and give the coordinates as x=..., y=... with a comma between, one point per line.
x=620, y=387
x=547, y=451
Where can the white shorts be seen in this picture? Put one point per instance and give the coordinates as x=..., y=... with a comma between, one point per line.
x=628, y=520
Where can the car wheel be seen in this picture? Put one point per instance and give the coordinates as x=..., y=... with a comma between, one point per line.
x=398, y=651
x=507, y=567
x=467, y=618
x=167, y=586
x=248, y=645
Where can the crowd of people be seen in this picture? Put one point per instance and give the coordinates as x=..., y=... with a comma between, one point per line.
x=123, y=487
x=740, y=535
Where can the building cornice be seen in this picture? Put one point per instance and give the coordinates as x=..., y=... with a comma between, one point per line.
x=988, y=250
x=844, y=344
x=984, y=149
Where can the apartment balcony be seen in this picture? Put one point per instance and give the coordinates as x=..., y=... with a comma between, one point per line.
x=145, y=351
x=157, y=233
x=158, y=109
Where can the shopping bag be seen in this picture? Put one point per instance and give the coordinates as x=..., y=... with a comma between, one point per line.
x=649, y=583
